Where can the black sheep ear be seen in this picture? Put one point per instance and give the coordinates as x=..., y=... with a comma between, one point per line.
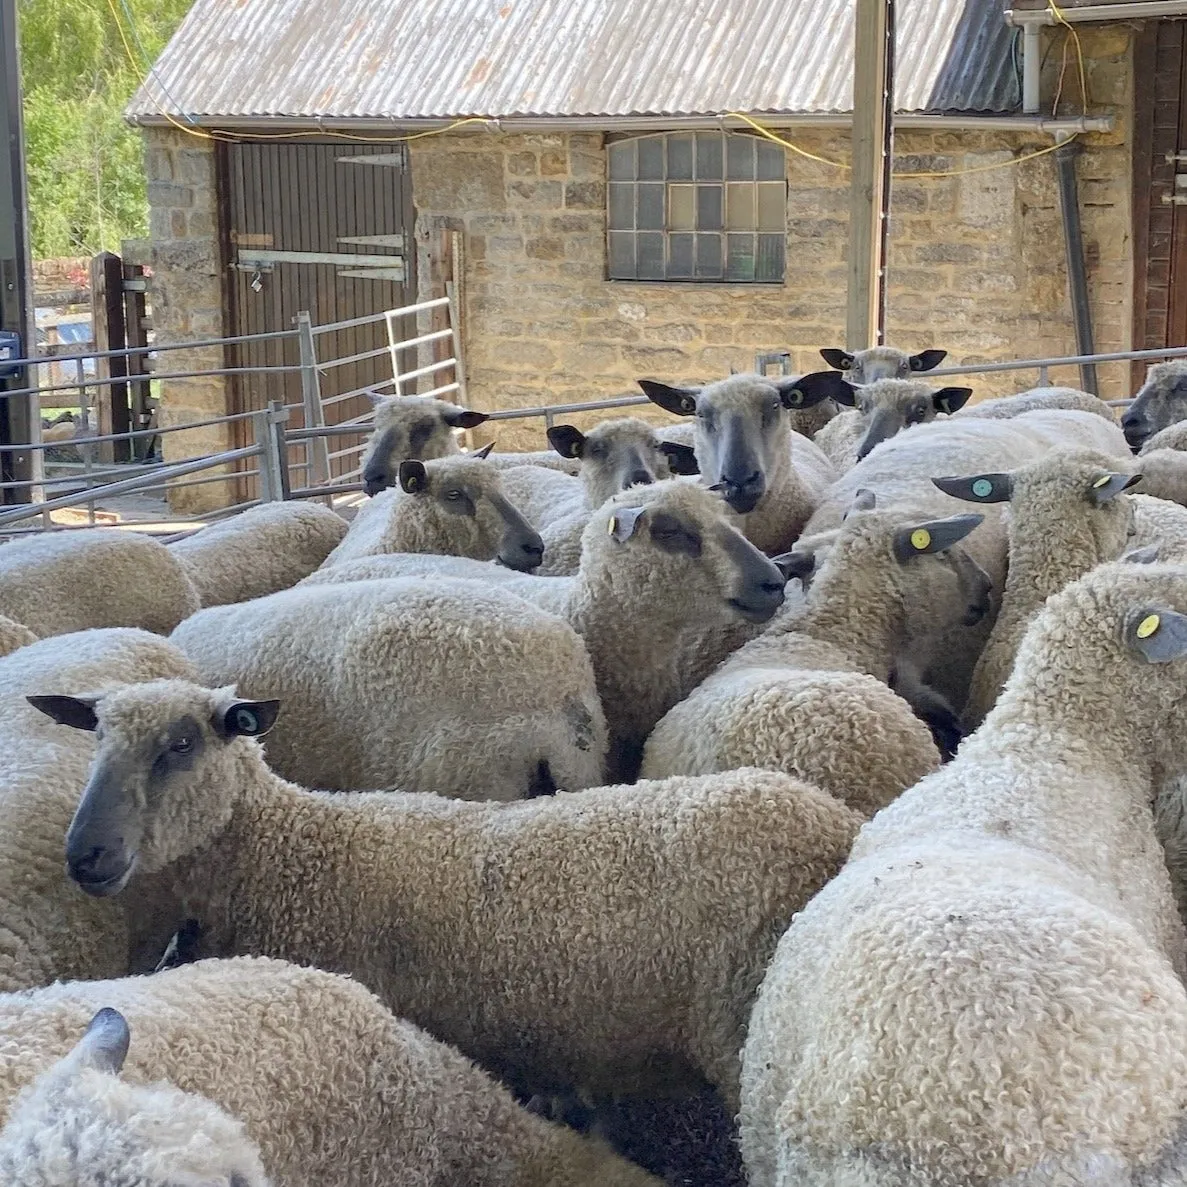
x=249, y=719
x=926, y=360
x=1108, y=486
x=980, y=488
x=841, y=359
x=624, y=521
x=567, y=440
x=76, y=712
x=414, y=478
x=464, y=418
x=934, y=536
x=484, y=451
x=950, y=399
x=795, y=564
x=682, y=459
x=680, y=401
x=810, y=390
x=104, y=1045
x=1159, y=636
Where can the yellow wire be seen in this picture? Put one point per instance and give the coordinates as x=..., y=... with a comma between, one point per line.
x=1057, y=13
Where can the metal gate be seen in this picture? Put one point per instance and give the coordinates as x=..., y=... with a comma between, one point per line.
x=323, y=226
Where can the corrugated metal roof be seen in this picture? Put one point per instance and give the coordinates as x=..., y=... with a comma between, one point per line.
x=425, y=59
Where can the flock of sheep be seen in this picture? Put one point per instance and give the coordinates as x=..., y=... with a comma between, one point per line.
x=824, y=749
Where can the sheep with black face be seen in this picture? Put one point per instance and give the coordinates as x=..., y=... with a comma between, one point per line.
x=1160, y=403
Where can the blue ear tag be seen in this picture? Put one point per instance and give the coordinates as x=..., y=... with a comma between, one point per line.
x=246, y=722
x=982, y=488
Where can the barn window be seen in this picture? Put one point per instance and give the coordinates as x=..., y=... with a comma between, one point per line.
x=697, y=206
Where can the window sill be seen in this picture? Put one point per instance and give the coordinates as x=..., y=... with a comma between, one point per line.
x=700, y=284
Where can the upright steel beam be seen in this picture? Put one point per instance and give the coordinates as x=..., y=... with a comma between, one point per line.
x=869, y=199
x=15, y=272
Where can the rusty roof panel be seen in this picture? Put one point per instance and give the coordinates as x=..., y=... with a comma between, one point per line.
x=446, y=59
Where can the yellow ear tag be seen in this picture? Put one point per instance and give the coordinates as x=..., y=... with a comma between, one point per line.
x=613, y=525
x=412, y=484
x=920, y=539
x=1148, y=626
x=1103, y=480
x=688, y=406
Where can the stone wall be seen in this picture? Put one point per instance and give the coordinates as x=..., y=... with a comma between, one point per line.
x=187, y=300
x=976, y=258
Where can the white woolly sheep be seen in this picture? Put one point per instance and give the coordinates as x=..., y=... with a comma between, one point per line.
x=899, y=472
x=881, y=362
x=14, y=635
x=423, y=428
x=59, y=582
x=445, y=687
x=49, y=930
x=809, y=695
x=1172, y=437
x=649, y=648
x=609, y=941
x=324, y=1085
x=454, y=506
x=1064, y=518
x=878, y=411
x=990, y=991
x=771, y=477
x=1160, y=403
x=613, y=456
x=1038, y=399
x=1163, y=473
x=259, y=551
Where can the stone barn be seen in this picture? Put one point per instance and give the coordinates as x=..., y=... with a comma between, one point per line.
x=657, y=187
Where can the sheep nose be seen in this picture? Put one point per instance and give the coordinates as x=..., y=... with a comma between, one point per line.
x=639, y=478
x=533, y=549
x=743, y=496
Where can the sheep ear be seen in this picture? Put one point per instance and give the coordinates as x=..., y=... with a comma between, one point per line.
x=682, y=459
x=810, y=390
x=933, y=536
x=249, y=719
x=1147, y=554
x=464, y=418
x=1108, y=486
x=981, y=488
x=950, y=399
x=413, y=476
x=680, y=401
x=77, y=712
x=377, y=398
x=484, y=451
x=1159, y=636
x=624, y=522
x=795, y=564
x=841, y=359
x=104, y=1045
x=925, y=360
x=567, y=440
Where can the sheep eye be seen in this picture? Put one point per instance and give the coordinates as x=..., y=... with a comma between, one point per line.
x=182, y=746
x=452, y=496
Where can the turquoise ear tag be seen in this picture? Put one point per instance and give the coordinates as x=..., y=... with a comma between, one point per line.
x=982, y=488
x=246, y=721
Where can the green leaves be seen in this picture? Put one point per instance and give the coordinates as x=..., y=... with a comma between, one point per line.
x=86, y=170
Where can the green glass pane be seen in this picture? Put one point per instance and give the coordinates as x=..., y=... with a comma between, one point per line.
x=709, y=156
x=680, y=158
x=708, y=265
x=769, y=259
x=651, y=158
x=622, y=255
x=739, y=257
x=622, y=161
x=709, y=208
x=622, y=205
x=772, y=163
x=739, y=206
x=651, y=206
x=772, y=205
x=680, y=256
x=651, y=255
x=739, y=158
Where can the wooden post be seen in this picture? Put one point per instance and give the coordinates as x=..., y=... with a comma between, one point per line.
x=869, y=200
x=136, y=326
x=107, y=312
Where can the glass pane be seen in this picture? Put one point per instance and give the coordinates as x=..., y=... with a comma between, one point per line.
x=651, y=255
x=709, y=208
x=769, y=262
x=772, y=206
x=651, y=157
x=679, y=158
x=739, y=259
x=622, y=161
x=622, y=205
x=709, y=156
x=739, y=158
x=771, y=162
x=682, y=214
x=622, y=255
x=651, y=205
x=680, y=249
x=708, y=257
x=739, y=206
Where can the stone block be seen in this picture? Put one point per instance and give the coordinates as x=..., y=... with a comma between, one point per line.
x=554, y=163
x=522, y=164
x=547, y=194
x=166, y=193
x=585, y=195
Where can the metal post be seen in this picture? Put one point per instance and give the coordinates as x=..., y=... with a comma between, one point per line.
x=18, y=416
x=269, y=436
x=317, y=451
x=873, y=108
x=1077, y=275
x=455, y=325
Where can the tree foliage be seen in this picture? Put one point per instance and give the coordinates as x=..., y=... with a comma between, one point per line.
x=85, y=166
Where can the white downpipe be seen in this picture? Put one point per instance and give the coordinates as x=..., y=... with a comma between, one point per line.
x=1031, y=66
